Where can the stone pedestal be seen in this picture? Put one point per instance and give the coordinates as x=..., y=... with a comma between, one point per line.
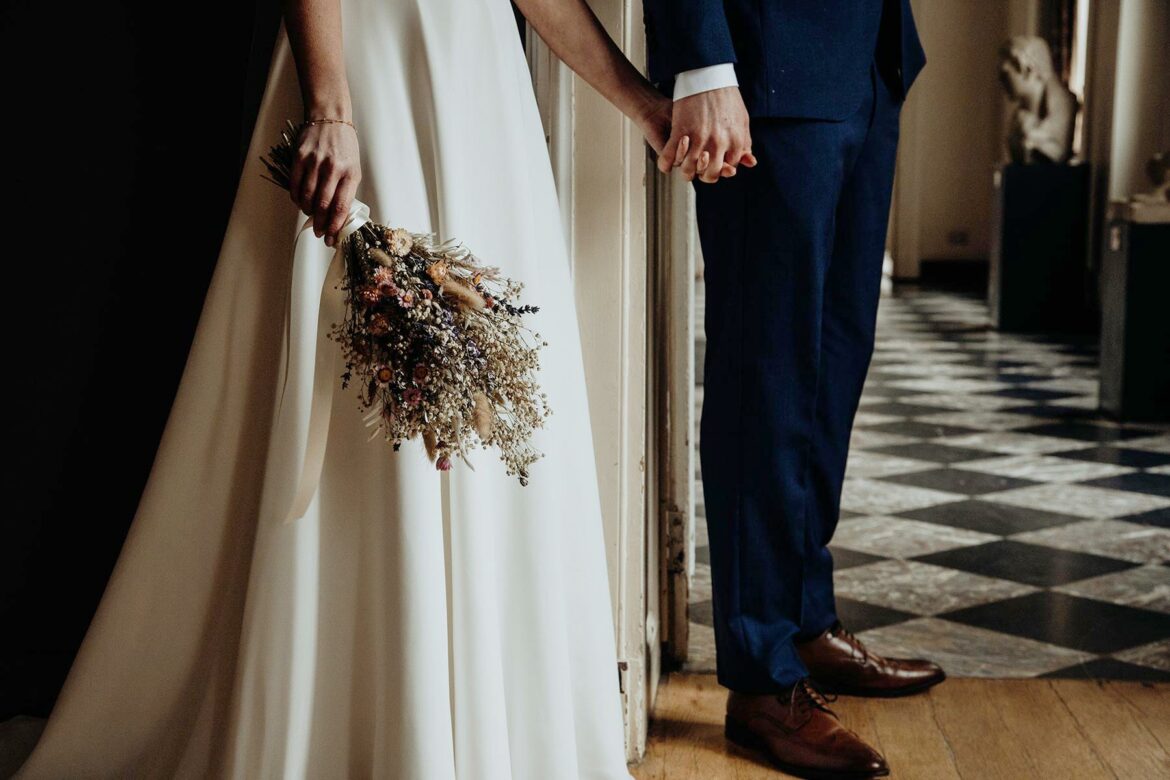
x=1135, y=316
x=1038, y=281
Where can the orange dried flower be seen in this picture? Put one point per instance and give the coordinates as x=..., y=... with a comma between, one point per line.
x=379, y=325
x=437, y=271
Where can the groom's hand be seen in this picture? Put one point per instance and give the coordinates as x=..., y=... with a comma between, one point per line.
x=709, y=136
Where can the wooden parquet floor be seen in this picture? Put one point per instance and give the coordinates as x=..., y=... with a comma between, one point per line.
x=963, y=728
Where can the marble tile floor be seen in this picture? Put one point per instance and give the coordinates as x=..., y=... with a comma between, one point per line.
x=992, y=518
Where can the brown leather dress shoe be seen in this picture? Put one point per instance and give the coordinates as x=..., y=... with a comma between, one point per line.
x=801, y=735
x=841, y=663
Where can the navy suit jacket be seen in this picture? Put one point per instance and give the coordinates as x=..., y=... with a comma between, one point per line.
x=793, y=58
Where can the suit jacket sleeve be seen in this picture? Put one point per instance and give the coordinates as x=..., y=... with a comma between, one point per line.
x=686, y=34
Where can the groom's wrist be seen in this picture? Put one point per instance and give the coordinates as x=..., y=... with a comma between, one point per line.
x=705, y=79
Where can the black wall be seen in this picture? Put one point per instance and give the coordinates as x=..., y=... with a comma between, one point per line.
x=127, y=124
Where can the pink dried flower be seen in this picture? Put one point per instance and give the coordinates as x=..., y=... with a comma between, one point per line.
x=384, y=280
x=420, y=373
x=384, y=375
x=412, y=396
x=443, y=463
x=406, y=300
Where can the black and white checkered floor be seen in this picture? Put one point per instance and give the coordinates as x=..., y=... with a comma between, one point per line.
x=992, y=519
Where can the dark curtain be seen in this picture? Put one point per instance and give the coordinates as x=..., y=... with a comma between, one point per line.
x=126, y=122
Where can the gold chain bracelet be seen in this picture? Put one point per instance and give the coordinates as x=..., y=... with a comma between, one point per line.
x=327, y=121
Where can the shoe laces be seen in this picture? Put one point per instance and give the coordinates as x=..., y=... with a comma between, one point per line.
x=858, y=647
x=805, y=697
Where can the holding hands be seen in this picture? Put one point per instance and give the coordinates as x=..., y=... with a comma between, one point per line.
x=705, y=134
x=709, y=136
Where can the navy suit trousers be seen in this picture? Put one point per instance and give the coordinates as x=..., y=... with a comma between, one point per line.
x=793, y=253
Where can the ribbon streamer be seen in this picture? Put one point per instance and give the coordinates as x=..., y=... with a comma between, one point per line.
x=330, y=310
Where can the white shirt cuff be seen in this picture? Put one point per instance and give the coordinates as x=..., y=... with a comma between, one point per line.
x=692, y=82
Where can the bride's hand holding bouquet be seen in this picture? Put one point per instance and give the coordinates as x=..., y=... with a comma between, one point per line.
x=325, y=172
x=435, y=342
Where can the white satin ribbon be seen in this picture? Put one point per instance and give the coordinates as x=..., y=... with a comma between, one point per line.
x=330, y=310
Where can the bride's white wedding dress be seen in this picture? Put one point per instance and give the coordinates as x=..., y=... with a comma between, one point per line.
x=413, y=624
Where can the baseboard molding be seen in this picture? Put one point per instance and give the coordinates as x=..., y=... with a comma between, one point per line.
x=967, y=275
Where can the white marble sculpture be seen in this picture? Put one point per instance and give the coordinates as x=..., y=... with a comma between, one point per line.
x=1045, y=109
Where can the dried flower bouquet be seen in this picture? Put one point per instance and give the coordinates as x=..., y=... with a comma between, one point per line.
x=434, y=341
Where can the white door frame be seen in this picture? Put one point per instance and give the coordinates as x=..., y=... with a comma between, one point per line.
x=674, y=260
x=600, y=165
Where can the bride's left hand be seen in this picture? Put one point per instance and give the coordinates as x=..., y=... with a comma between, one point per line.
x=325, y=174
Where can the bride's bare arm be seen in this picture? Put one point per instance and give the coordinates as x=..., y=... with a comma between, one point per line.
x=573, y=32
x=327, y=168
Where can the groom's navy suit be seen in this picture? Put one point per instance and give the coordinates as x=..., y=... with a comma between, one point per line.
x=793, y=253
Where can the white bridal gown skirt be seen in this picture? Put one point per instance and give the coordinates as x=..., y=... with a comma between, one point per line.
x=413, y=624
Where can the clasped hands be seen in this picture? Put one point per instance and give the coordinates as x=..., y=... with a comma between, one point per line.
x=705, y=135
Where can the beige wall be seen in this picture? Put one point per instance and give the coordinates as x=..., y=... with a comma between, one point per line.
x=1023, y=17
x=954, y=120
x=1141, y=98
x=952, y=126
x=1127, y=106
